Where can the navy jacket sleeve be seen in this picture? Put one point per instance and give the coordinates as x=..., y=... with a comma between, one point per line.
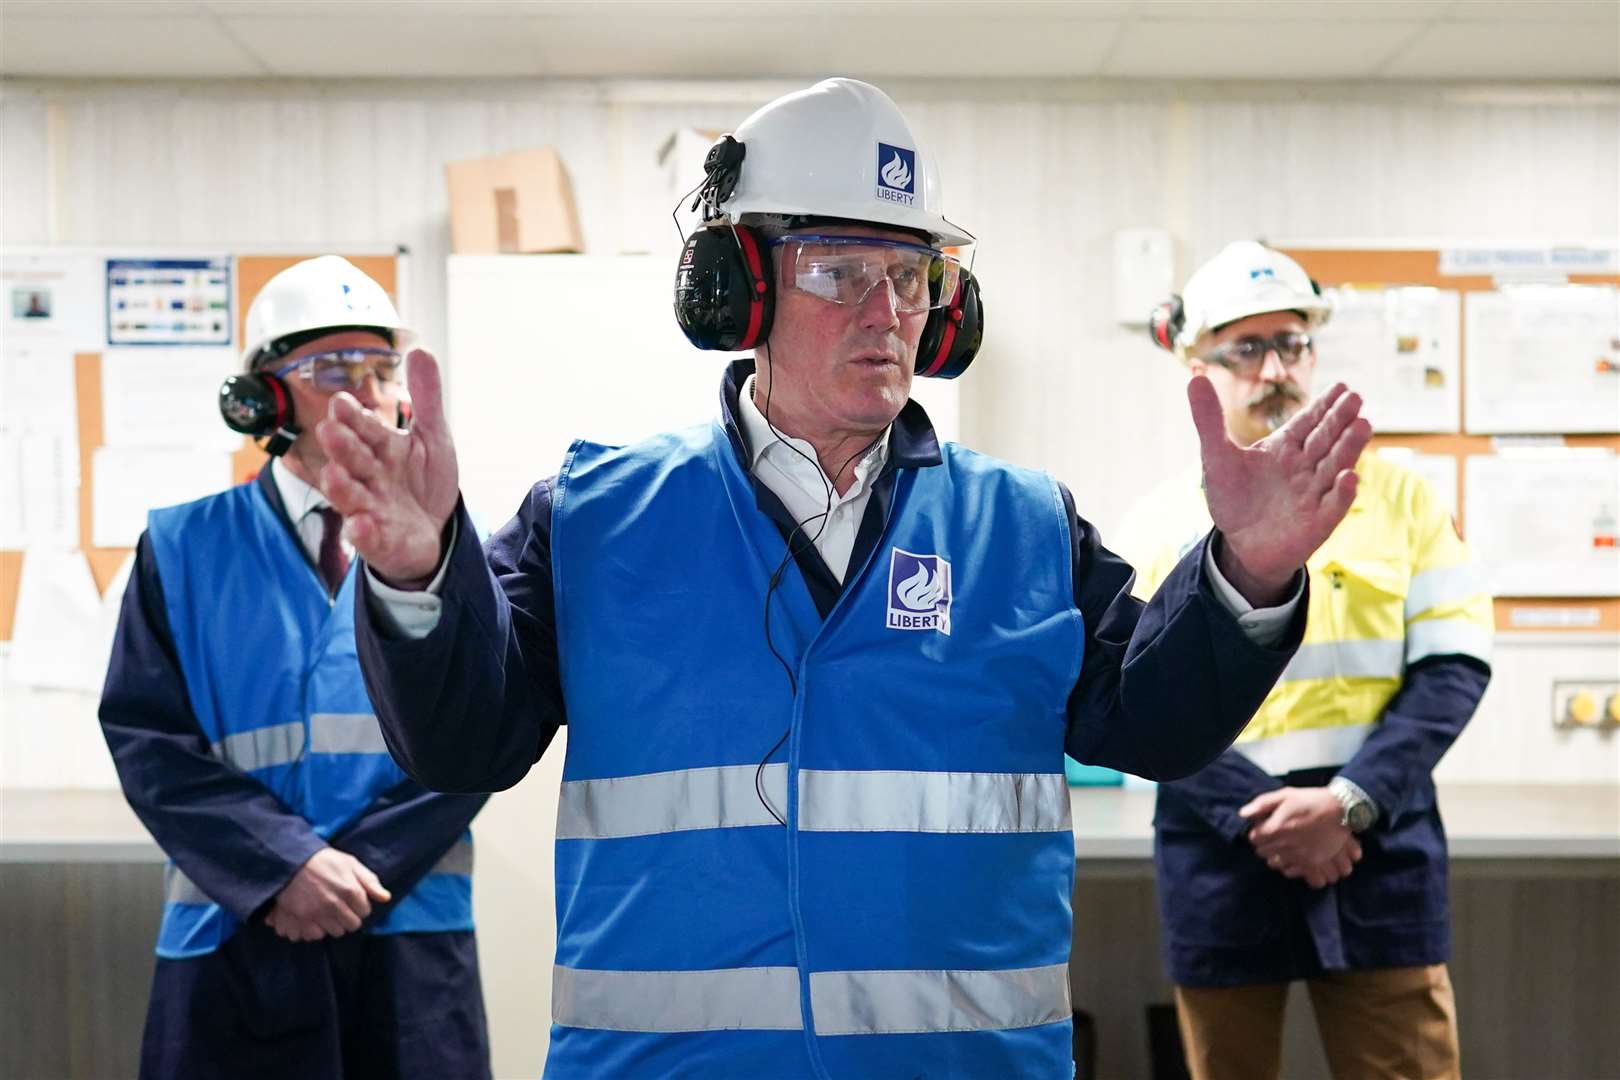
x=405, y=831
x=1436, y=700
x=471, y=706
x=224, y=829
x=1164, y=686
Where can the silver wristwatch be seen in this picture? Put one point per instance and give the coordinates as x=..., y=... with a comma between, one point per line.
x=1358, y=811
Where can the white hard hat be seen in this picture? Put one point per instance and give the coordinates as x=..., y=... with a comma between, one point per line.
x=840, y=149
x=318, y=294
x=1246, y=278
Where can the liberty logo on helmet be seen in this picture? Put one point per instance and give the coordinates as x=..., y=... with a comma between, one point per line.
x=1264, y=271
x=897, y=174
x=919, y=592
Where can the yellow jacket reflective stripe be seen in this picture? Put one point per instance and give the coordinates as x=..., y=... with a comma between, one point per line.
x=1393, y=584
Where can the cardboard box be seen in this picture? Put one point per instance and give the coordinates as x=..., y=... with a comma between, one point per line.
x=520, y=203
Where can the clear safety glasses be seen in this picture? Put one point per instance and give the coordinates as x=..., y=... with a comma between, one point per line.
x=1247, y=355
x=344, y=369
x=845, y=270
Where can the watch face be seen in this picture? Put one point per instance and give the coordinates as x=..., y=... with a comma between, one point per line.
x=1360, y=816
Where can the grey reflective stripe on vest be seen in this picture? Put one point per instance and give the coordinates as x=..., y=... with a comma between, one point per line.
x=895, y=1002
x=1305, y=748
x=1368, y=658
x=731, y=999
x=945, y=802
x=1448, y=637
x=345, y=733
x=458, y=860
x=712, y=798
x=262, y=747
x=1447, y=585
x=845, y=1002
x=179, y=889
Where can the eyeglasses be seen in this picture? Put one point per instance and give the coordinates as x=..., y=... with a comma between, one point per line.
x=1247, y=355
x=845, y=270
x=344, y=369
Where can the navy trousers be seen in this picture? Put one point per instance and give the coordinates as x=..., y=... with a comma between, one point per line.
x=360, y=1007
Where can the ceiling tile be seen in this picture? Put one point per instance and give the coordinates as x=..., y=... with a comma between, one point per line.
x=160, y=46
x=1543, y=11
x=1325, y=11
x=1242, y=50
x=822, y=46
x=399, y=46
x=1524, y=51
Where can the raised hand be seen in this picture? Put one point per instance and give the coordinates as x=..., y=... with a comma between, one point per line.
x=329, y=896
x=1276, y=502
x=395, y=489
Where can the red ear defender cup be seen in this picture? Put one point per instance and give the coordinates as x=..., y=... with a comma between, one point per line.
x=724, y=296
x=1166, y=322
x=952, y=335
x=255, y=404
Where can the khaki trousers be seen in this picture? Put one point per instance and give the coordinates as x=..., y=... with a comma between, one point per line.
x=1381, y=1024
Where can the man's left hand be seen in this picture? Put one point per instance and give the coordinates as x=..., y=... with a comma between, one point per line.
x=1276, y=502
x=1297, y=829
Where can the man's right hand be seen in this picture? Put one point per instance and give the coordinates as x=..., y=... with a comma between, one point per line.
x=329, y=896
x=395, y=489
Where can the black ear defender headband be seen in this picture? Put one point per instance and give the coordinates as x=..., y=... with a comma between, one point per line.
x=725, y=289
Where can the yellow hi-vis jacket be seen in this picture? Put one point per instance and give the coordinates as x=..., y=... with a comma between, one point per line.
x=1394, y=660
x=1393, y=584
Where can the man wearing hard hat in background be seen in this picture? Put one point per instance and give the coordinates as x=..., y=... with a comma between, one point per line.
x=318, y=911
x=1313, y=848
x=819, y=670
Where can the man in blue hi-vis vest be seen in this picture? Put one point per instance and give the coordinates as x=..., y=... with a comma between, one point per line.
x=819, y=670
x=318, y=903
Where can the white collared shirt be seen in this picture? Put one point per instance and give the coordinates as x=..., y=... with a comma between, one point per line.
x=301, y=500
x=788, y=467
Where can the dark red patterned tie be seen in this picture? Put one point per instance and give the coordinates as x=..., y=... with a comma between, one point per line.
x=333, y=562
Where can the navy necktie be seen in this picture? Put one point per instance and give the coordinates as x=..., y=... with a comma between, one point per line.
x=333, y=563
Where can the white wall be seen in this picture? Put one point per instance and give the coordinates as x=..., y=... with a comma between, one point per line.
x=1044, y=173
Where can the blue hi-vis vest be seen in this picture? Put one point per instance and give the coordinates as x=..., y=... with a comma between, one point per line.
x=913, y=917
x=271, y=671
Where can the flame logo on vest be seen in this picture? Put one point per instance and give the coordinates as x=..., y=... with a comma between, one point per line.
x=897, y=174
x=919, y=592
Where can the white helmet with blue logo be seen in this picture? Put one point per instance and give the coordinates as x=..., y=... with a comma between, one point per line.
x=840, y=149
x=318, y=294
x=1246, y=278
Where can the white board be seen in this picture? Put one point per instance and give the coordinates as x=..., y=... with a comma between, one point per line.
x=1543, y=359
x=1397, y=347
x=1544, y=521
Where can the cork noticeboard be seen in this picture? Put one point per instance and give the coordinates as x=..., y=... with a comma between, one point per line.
x=252, y=271
x=1333, y=266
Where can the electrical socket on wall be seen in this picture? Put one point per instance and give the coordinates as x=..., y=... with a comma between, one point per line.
x=1586, y=703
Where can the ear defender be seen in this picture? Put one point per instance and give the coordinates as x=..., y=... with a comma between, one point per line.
x=1165, y=324
x=258, y=405
x=724, y=296
x=952, y=335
